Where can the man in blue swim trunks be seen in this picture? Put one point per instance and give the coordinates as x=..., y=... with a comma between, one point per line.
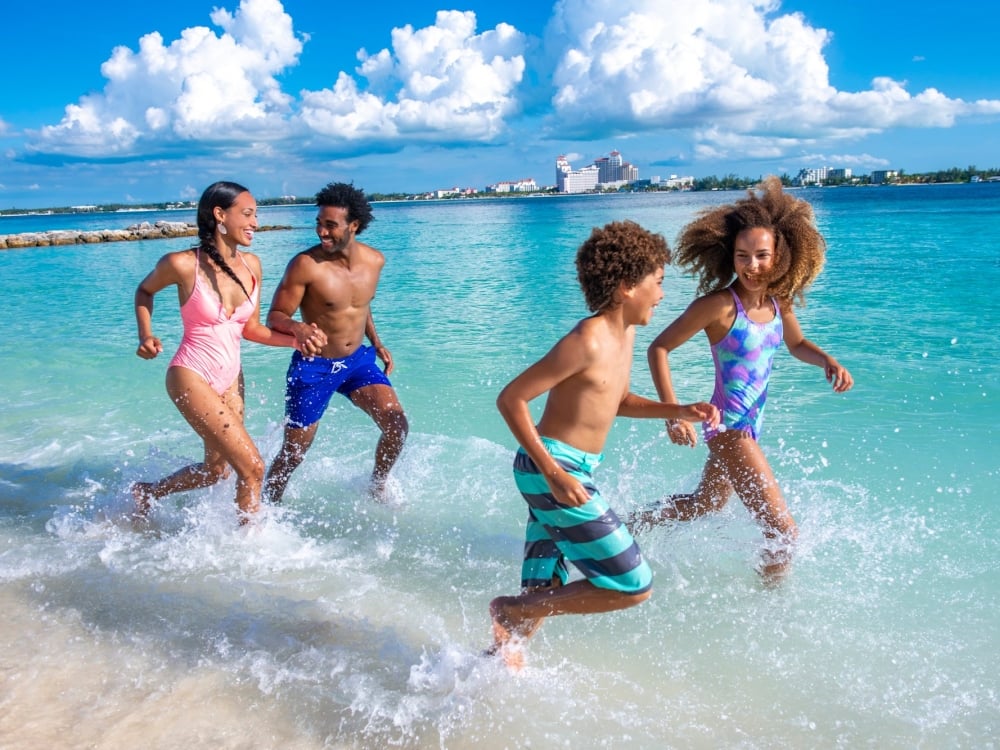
x=586, y=376
x=332, y=284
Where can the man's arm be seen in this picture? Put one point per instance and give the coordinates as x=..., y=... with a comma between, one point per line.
x=380, y=350
x=309, y=339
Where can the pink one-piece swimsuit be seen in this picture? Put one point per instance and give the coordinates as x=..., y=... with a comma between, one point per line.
x=211, y=342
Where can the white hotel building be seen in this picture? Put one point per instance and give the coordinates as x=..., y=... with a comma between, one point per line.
x=606, y=172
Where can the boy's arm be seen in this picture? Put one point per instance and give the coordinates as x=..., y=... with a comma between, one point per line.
x=565, y=359
x=639, y=407
x=803, y=349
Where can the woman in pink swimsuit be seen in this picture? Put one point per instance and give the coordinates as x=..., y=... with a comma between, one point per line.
x=218, y=286
x=753, y=259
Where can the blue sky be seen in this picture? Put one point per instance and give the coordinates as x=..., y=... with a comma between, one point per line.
x=142, y=102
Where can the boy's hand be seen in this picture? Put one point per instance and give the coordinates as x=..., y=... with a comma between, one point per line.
x=680, y=430
x=567, y=490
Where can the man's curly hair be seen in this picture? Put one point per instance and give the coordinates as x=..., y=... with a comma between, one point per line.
x=621, y=251
x=342, y=195
x=705, y=246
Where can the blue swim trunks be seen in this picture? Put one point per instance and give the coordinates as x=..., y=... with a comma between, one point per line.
x=312, y=381
x=590, y=535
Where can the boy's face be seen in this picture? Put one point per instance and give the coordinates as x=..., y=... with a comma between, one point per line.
x=645, y=296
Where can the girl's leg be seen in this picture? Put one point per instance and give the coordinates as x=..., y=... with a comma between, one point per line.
x=711, y=495
x=751, y=476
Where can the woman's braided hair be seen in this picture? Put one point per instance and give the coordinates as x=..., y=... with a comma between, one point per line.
x=222, y=195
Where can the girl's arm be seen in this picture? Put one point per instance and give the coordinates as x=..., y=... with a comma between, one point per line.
x=254, y=330
x=699, y=315
x=802, y=348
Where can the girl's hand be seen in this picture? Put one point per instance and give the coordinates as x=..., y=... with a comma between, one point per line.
x=149, y=347
x=838, y=376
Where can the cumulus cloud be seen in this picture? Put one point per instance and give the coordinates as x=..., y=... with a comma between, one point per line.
x=740, y=76
x=735, y=78
x=440, y=83
x=203, y=86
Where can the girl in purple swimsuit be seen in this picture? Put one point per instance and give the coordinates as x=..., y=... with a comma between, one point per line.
x=753, y=258
x=218, y=286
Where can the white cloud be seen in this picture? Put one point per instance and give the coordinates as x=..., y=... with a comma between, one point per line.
x=737, y=78
x=440, y=83
x=203, y=86
x=744, y=79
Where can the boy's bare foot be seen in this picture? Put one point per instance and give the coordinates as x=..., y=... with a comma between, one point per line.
x=508, y=638
x=143, y=496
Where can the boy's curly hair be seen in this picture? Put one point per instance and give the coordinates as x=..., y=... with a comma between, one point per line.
x=621, y=251
x=705, y=246
x=346, y=196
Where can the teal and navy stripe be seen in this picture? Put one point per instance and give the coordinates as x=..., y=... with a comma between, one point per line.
x=590, y=536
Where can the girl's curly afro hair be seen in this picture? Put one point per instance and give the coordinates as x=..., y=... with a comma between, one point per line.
x=705, y=246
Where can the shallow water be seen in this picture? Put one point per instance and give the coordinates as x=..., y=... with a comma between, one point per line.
x=338, y=623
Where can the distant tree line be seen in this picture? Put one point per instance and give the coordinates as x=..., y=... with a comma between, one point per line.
x=727, y=182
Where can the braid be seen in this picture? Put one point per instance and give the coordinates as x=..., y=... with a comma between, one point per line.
x=216, y=256
x=222, y=194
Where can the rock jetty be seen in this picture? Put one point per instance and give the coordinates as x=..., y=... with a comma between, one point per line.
x=142, y=231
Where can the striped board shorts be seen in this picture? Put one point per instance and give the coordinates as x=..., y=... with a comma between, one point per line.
x=590, y=536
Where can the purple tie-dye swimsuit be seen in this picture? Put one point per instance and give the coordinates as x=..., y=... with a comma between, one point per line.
x=742, y=368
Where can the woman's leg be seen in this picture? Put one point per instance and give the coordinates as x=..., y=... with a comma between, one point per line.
x=218, y=420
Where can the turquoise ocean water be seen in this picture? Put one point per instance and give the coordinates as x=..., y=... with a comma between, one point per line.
x=340, y=624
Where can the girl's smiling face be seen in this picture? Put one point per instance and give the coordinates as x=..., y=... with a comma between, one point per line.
x=753, y=258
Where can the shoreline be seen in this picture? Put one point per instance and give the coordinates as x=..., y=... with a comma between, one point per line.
x=142, y=231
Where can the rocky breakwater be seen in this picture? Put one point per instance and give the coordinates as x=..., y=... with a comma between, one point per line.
x=142, y=231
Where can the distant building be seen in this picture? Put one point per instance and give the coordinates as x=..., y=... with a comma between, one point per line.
x=812, y=176
x=676, y=183
x=612, y=171
x=840, y=174
x=883, y=175
x=518, y=186
x=569, y=180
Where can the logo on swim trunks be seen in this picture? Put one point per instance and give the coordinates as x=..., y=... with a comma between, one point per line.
x=338, y=366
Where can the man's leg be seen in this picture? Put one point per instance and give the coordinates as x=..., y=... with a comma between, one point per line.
x=381, y=404
x=293, y=450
